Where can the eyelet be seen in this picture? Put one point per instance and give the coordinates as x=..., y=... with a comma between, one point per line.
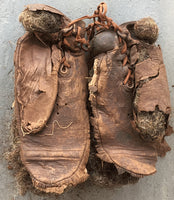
x=64, y=71
x=127, y=87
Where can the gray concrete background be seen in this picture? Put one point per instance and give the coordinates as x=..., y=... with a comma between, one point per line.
x=157, y=187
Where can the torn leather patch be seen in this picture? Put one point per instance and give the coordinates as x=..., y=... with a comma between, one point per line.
x=152, y=86
x=152, y=98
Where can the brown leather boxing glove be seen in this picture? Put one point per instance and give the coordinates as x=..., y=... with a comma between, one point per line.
x=124, y=57
x=50, y=101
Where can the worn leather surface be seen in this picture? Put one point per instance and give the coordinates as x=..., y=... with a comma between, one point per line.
x=154, y=92
x=50, y=101
x=36, y=82
x=118, y=141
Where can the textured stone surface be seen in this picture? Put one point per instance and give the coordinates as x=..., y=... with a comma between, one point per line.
x=156, y=187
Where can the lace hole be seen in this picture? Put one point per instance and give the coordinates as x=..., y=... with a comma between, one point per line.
x=63, y=69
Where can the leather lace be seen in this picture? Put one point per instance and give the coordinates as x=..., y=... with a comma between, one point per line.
x=100, y=22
